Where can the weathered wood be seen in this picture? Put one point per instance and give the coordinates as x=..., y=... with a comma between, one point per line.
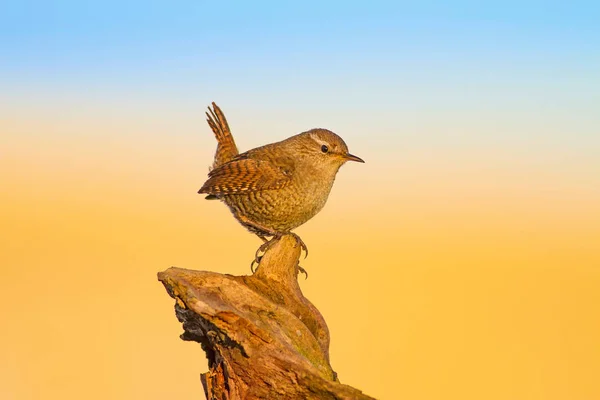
x=262, y=337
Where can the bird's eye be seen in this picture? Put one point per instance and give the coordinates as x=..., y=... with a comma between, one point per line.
x=324, y=149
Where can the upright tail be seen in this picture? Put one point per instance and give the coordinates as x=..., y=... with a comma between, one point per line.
x=226, y=148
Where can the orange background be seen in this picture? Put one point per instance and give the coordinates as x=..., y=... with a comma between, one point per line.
x=468, y=272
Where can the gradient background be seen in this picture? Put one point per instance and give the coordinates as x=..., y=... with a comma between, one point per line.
x=461, y=261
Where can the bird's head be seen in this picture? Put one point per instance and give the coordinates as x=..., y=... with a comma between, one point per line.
x=325, y=148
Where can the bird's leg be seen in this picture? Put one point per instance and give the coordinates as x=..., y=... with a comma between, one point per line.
x=268, y=243
x=279, y=235
x=258, y=257
x=264, y=239
x=261, y=232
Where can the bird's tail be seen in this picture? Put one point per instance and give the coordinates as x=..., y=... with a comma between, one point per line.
x=226, y=148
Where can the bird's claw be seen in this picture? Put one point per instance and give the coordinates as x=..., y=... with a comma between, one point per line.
x=301, y=243
x=268, y=243
x=302, y=270
x=255, y=261
x=257, y=257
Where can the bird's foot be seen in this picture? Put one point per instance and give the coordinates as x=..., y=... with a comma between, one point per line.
x=300, y=242
x=255, y=261
x=262, y=249
x=302, y=270
x=303, y=247
x=260, y=252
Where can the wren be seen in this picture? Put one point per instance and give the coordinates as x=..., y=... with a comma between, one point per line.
x=277, y=187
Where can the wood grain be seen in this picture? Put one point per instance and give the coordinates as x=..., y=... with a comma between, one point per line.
x=262, y=337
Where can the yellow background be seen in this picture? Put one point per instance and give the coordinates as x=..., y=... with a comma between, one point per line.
x=467, y=273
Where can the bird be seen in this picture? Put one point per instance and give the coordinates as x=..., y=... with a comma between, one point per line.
x=275, y=188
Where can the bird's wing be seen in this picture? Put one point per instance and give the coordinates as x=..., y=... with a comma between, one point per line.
x=226, y=148
x=244, y=175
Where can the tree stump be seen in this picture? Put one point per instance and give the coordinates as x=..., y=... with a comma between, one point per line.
x=262, y=337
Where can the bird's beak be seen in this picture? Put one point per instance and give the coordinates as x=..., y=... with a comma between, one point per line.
x=350, y=157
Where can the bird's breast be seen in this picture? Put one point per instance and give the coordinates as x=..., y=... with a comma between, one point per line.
x=286, y=208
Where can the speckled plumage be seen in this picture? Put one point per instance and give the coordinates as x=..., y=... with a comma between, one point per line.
x=274, y=188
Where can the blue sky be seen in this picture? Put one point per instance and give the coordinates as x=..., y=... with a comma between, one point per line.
x=68, y=40
x=509, y=67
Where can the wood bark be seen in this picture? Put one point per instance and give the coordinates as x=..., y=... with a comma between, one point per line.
x=262, y=337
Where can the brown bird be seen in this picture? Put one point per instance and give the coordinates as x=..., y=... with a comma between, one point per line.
x=274, y=188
